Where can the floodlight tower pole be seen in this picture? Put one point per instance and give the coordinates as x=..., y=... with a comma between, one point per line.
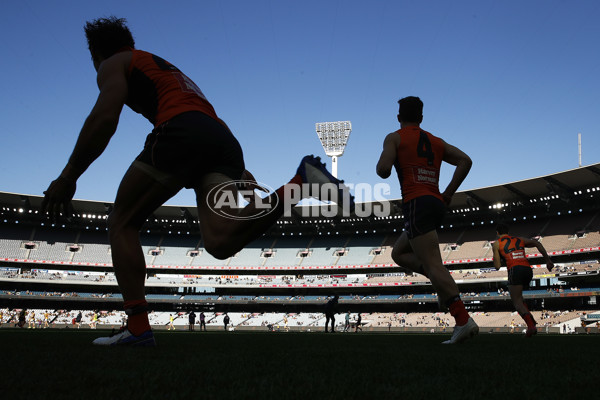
x=334, y=166
x=334, y=137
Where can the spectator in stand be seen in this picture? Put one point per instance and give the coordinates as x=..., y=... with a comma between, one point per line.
x=511, y=250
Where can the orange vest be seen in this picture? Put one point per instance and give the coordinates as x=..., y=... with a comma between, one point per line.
x=418, y=165
x=512, y=251
x=159, y=91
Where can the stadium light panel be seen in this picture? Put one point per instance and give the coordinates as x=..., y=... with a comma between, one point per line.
x=334, y=137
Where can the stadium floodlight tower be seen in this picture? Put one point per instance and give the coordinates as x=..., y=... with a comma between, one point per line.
x=334, y=137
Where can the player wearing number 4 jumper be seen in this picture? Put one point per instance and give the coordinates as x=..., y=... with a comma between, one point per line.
x=511, y=250
x=417, y=156
x=189, y=147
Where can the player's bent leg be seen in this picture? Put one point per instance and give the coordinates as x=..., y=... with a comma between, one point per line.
x=516, y=295
x=426, y=248
x=225, y=228
x=139, y=194
x=403, y=255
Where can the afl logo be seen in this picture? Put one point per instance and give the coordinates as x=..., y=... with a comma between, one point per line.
x=240, y=200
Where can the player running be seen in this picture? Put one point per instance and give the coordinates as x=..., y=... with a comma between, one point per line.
x=511, y=250
x=189, y=147
x=417, y=156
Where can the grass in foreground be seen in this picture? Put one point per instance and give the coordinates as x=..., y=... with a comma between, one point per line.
x=62, y=364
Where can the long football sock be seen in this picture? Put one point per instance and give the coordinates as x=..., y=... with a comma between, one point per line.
x=137, y=321
x=458, y=310
x=528, y=318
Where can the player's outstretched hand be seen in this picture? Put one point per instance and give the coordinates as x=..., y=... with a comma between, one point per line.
x=58, y=195
x=550, y=266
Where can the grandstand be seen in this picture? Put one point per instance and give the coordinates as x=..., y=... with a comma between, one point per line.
x=294, y=267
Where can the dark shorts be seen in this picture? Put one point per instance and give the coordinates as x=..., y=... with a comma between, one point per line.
x=423, y=214
x=191, y=145
x=520, y=275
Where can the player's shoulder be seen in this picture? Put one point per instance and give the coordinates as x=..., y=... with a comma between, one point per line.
x=527, y=241
x=393, y=137
x=435, y=138
x=117, y=62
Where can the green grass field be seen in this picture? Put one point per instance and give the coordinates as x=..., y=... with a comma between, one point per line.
x=62, y=364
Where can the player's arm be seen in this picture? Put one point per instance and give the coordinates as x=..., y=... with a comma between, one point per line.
x=496, y=255
x=101, y=123
x=462, y=162
x=389, y=155
x=99, y=127
x=534, y=243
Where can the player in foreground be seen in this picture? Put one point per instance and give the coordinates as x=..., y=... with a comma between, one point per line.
x=511, y=250
x=189, y=147
x=417, y=156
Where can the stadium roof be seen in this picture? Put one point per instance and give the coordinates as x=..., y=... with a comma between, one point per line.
x=564, y=184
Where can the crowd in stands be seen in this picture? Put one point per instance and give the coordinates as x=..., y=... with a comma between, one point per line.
x=284, y=280
x=93, y=319
x=459, y=246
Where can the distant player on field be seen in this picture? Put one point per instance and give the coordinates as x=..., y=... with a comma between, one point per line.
x=511, y=249
x=330, y=310
x=31, y=320
x=226, y=321
x=417, y=156
x=192, y=320
x=170, y=325
x=189, y=147
x=202, y=321
x=21, y=323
